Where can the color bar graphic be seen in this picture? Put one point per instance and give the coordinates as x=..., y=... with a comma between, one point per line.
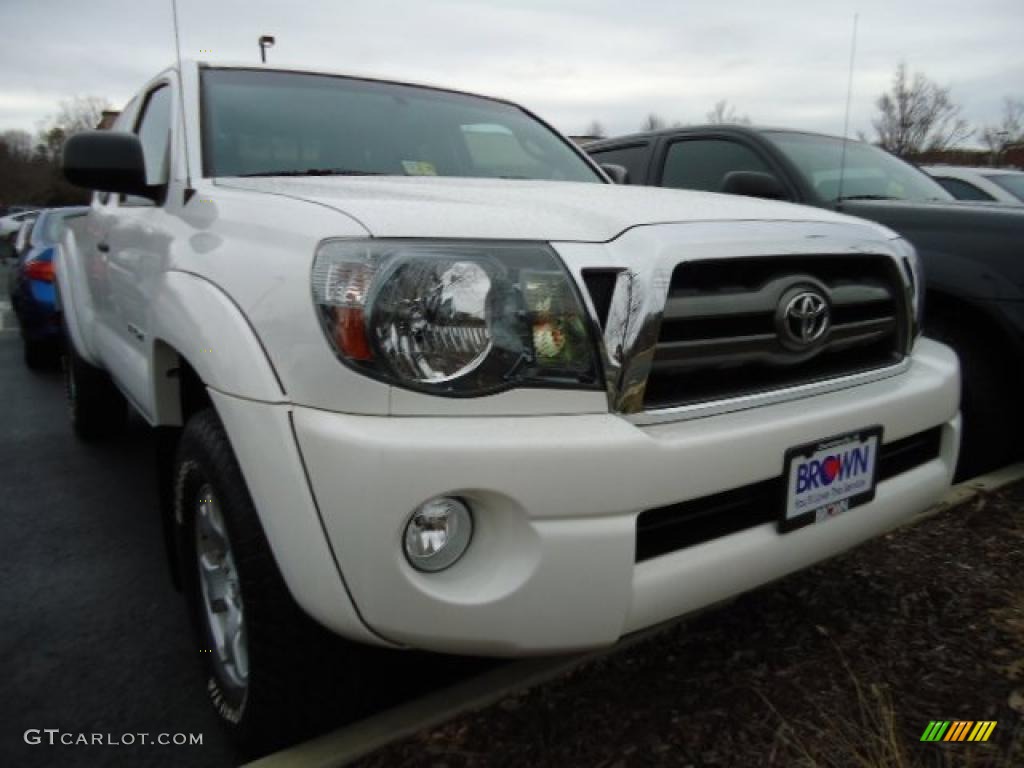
x=958, y=730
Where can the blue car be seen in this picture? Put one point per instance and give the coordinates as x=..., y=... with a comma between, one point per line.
x=32, y=287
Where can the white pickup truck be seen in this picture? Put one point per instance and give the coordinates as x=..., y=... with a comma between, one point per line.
x=421, y=372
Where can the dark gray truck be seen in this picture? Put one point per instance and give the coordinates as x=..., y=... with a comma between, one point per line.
x=973, y=255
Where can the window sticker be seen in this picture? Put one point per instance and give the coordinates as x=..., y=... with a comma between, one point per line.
x=419, y=168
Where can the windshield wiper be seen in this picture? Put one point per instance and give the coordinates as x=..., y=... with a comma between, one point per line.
x=311, y=172
x=866, y=197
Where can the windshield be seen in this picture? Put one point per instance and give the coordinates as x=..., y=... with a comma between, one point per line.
x=258, y=123
x=1011, y=182
x=870, y=173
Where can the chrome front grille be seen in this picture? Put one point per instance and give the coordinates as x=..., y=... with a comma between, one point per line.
x=725, y=330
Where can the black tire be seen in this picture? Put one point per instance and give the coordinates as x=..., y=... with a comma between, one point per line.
x=96, y=408
x=300, y=677
x=988, y=405
x=38, y=356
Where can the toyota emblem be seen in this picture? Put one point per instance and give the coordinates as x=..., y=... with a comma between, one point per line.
x=804, y=319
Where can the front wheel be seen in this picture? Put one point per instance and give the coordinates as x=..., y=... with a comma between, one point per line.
x=988, y=402
x=38, y=356
x=272, y=674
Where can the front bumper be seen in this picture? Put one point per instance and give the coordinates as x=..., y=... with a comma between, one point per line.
x=555, y=499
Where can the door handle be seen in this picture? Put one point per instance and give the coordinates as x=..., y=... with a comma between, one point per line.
x=102, y=247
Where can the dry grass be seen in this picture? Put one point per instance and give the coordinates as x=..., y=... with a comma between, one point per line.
x=874, y=740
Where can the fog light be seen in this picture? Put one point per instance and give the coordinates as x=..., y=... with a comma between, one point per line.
x=438, y=534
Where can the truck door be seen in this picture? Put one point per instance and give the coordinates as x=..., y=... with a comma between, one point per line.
x=138, y=246
x=94, y=254
x=634, y=157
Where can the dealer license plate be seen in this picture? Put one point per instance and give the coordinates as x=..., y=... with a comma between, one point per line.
x=829, y=477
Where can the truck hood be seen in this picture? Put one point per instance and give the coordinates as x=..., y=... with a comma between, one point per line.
x=973, y=250
x=509, y=209
x=958, y=217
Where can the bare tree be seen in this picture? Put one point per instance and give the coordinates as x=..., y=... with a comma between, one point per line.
x=724, y=112
x=595, y=129
x=23, y=178
x=18, y=143
x=30, y=169
x=916, y=115
x=1009, y=130
x=81, y=113
x=653, y=122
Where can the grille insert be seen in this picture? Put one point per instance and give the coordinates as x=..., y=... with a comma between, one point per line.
x=720, y=337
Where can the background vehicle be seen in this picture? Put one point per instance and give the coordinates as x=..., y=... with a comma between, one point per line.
x=23, y=235
x=31, y=287
x=12, y=222
x=985, y=185
x=971, y=254
x=423, y=377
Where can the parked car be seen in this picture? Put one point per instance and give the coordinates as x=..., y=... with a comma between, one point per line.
x=422, y=373
x=21, y=237
x=31, y=286
x=985, y=185
x=11, y=223
x=971, y=254
x=12, y=209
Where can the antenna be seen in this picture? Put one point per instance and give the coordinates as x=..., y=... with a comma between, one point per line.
x=181, y=102
x=846, y=120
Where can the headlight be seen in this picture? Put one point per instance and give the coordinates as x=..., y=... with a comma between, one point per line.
x=911, y=264
x=454, y=317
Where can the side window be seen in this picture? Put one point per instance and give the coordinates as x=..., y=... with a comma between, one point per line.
x=703, y=163
x=633, y=158
x=154, y=131
x=962, y=190
x=123, y=123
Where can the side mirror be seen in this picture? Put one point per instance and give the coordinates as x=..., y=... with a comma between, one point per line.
x=753, y=184
x=616, y=173
x=108, y=161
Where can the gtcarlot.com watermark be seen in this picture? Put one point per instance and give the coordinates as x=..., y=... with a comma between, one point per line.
x=55, y=736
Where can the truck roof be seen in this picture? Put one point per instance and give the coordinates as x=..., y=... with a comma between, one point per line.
x=734, y=128
x=204, y=64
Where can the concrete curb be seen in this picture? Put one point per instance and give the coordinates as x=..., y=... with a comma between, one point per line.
x=359, y=739
x=969, y=489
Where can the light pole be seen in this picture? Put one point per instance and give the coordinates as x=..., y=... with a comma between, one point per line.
x=266, y=41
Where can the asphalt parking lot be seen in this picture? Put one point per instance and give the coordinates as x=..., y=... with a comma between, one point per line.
x=94, y=637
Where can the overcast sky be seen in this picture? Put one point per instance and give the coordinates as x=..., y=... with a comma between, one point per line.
x=783, y=62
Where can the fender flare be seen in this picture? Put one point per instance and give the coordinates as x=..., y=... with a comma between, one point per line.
x=964, y=278
x=193, y=319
